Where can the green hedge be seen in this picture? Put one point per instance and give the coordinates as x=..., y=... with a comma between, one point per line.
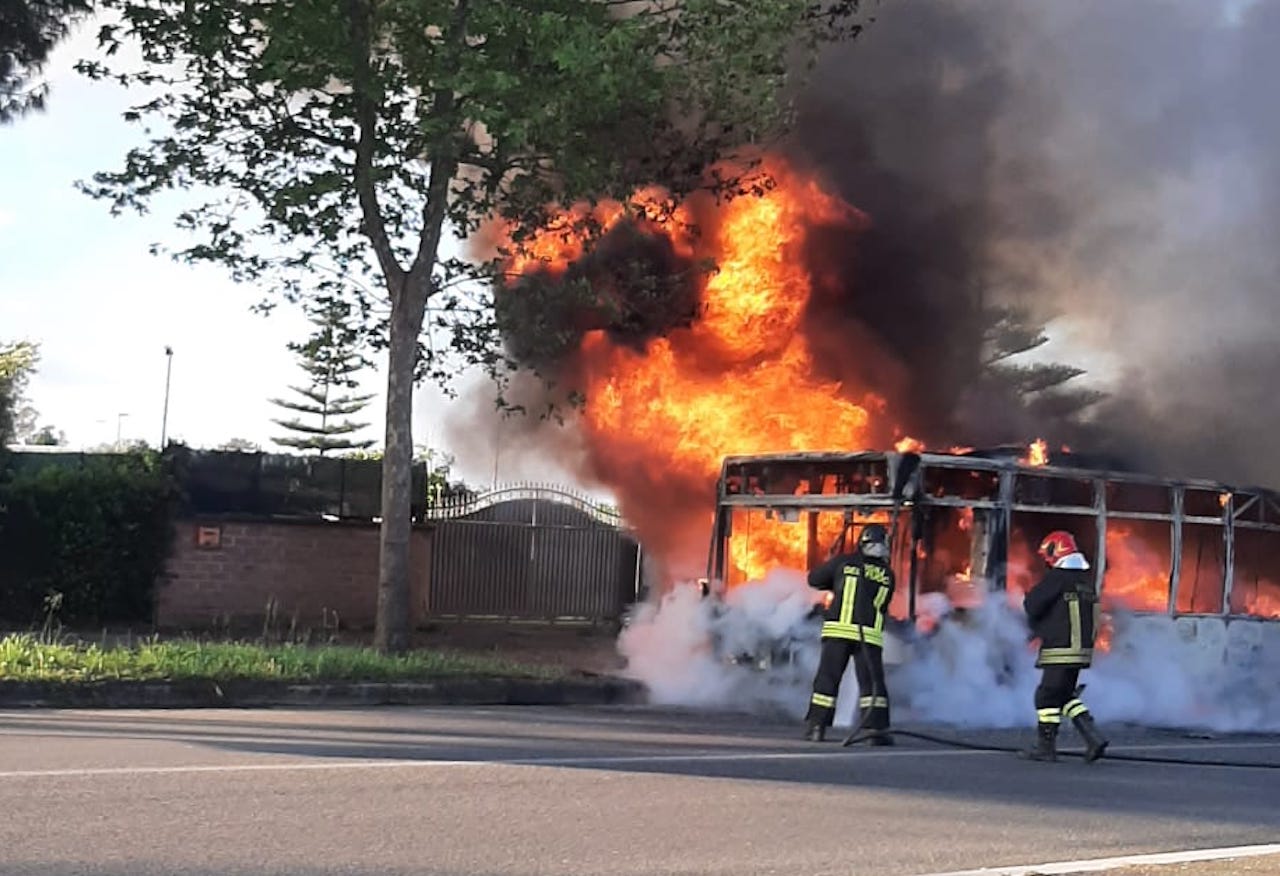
x=89, y=540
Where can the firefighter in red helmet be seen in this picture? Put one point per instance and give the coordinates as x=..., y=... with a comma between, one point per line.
x=862, y=585
x=1063, y=611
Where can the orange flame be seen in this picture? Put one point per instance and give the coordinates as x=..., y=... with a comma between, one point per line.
x=963, y=591
x=740, y=379
x=908, y=444
x=760, y=544
x=1037, y=453
x=1265, y=601
x=561, y=242
x=1137, y=576
x=1102, y=641
x=691, y=417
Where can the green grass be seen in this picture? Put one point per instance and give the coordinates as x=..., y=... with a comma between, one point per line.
x=29, y=658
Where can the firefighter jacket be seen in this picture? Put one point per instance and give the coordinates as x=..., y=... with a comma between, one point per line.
x=861, y=588
x=1063, y=611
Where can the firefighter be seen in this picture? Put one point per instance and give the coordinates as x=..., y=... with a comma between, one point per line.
x=1063, y=612
x=861, y=584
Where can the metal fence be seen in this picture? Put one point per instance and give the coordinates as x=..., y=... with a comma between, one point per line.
x=283, y=485
x=531, y=552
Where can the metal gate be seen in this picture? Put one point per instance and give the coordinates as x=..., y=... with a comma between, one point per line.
x=530, y=552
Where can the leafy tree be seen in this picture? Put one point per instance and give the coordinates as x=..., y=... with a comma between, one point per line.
x=332, y=359
x=339, y=141
x=17, y=363
x=28, y=430
x=46, y=436
x=29, y=29
x=440, y=485
x=131, y=447
x=240, y=445
x=25, y=420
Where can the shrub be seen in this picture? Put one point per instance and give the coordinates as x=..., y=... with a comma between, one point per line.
x=88, y=541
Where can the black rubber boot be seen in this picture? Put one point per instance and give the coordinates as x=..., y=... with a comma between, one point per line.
x=1046, y=747
x=1095, y=743
x=880, y=738
x=815, y=733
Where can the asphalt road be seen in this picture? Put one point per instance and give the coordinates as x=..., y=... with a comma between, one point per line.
x=619, y=790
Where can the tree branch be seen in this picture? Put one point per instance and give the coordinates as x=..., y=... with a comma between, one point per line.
x=289, y=121
x=444, y=157
x=366, y=112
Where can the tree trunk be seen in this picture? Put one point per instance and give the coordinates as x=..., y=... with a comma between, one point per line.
x=391, y=633
x=409, y=293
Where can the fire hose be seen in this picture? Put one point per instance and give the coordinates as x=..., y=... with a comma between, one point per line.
x=855, y=737
x=858, y=735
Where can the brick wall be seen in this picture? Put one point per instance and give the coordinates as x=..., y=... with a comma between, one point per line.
x=226, y=571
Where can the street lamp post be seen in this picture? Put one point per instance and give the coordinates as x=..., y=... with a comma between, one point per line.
x=164, y=420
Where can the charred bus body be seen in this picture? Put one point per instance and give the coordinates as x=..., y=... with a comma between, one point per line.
x=964, y=524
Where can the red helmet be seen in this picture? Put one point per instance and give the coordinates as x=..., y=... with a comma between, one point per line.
x=1057, y=545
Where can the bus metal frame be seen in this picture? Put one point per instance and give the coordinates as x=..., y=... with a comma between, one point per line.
x=906, y=486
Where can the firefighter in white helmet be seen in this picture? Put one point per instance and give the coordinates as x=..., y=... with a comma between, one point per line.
x=1063, y=611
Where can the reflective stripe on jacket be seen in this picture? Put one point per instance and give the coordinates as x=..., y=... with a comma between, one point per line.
x=1063, y=610
x=862, y=588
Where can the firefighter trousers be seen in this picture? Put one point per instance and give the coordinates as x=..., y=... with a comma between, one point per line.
x=1056, y=695
x=868, y=665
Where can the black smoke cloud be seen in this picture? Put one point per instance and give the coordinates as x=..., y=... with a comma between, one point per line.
x=899, y=123
x=1113, y=168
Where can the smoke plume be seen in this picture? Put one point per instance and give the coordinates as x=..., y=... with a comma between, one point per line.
x=1109, y=166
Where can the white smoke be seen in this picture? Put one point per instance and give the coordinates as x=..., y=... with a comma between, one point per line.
x=975, y=668
x=683, y=647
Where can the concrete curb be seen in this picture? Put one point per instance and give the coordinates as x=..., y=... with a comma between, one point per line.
x=206, y=694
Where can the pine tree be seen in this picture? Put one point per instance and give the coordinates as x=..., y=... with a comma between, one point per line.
x=1041, y=387
x=331, y=357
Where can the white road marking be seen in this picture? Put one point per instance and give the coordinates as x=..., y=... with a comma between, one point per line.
x=611, y=760
x=1098, y=865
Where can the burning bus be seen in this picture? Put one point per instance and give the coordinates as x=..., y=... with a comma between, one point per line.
x=965, y=524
